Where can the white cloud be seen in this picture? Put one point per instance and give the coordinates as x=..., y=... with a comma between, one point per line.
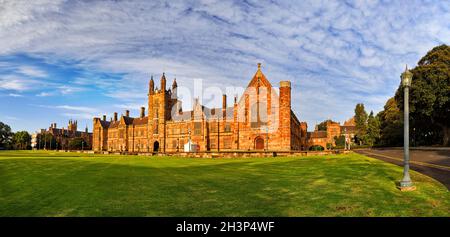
x=11, y=82
x=347, y=49
x=44, y=94
x=76, y=108
x=15, y=95
x=32, y=71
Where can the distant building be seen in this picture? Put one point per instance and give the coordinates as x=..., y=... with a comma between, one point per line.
x=61, y=137
x=334, y=129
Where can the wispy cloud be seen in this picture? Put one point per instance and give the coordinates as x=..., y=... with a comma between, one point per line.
x=32, y=71
x=346, y=51
x=15, y=95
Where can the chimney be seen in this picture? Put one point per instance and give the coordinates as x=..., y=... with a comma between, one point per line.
x=104, y=117
x=224, y=101
x=142, y=112
x=54, y=125
x=115, y=116
x=127, y=113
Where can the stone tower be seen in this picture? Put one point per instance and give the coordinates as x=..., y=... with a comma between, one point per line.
x=285, y=115
x=158, y=113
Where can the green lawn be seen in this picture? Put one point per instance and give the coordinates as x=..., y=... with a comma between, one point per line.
x=74, y=184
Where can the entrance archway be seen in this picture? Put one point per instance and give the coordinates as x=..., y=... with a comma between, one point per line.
x=156, y=146
x=259, y=143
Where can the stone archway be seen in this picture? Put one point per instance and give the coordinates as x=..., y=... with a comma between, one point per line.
x=259, y=143
x=156, y=146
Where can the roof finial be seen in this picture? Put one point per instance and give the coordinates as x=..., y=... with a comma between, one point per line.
x=406, y=68
x=259, y=66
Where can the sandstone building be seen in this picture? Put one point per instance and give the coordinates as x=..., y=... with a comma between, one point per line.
x=61, y=137
x=262, y=119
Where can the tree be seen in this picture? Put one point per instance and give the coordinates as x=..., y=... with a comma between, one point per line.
x=5, y=136
x=21, y=140
x=77, y=143
x=48, y=141
x=360, y=121
x=339, y=141
x=430, y=96
x=323, y=125
x=391, y=124
x=373, y=129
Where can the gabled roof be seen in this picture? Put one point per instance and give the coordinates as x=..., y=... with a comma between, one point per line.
x=140, y=121
x=259, y=79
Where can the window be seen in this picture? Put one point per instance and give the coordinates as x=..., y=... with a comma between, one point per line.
x=213, y=127
x=258, y=114
x=197, y=128
x=227, y=143
x=174, y=143
x=227, y=127
x=155, y=126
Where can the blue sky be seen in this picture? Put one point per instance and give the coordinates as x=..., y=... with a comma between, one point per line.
x=62, y=60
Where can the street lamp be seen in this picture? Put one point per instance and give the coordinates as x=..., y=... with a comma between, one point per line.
x=406, y=183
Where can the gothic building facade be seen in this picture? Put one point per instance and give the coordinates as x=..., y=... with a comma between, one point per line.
x=262, y=119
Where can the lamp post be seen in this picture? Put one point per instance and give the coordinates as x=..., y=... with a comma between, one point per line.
x=406, y=183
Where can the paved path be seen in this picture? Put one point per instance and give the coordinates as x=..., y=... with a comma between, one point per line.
x=434, y=163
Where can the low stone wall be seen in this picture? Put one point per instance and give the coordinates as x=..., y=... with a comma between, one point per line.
x=233, y=154
x=222, y=154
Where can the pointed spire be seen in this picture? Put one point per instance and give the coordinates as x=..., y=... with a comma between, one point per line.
x=163, y=82
x=174, y=84
x=151, y=85
x=258, y=72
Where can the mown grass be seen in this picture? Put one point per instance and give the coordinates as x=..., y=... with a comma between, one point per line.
x=74, y=184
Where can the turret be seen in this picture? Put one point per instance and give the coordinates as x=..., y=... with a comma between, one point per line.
x=151, y=87
x=285, y=114
x=163, y=82
x=174, y=88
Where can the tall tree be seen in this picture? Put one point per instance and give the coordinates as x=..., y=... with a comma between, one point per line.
x=5, y=135
x=373, y=129
x=391, y=124
x=360, y=121
x=21, y=140
x=430, y=96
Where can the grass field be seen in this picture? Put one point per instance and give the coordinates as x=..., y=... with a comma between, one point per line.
x=73, y=184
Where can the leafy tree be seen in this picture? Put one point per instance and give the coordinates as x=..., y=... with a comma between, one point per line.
x=77, y=143
x=430, y=97
x=323, y=125
x=391, y=124
x=360, y=122
x=21, y=140
x=373, y=129
x=5, y=136
x=339, y=141
x=48, y=141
